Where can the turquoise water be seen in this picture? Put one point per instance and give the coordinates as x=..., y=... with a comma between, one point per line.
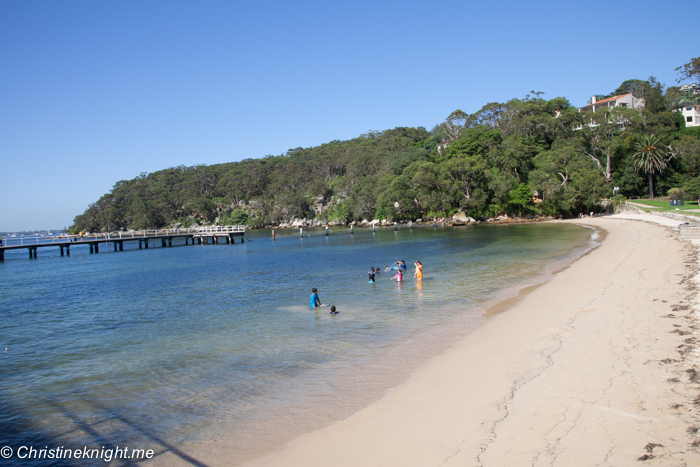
x=191, y=349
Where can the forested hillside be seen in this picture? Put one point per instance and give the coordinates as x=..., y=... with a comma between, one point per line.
x=528, y=155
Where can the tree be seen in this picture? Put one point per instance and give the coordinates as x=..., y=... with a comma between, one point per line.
x=603, y=135
x=690, y=70
x=650, y=157
x=454, y=124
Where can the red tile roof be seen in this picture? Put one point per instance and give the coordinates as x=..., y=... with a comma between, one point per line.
x=609, y=99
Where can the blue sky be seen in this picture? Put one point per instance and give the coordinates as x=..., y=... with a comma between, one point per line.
x=96, y=92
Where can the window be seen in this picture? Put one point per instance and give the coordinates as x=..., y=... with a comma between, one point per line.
x=689, y=119
x=688, y=108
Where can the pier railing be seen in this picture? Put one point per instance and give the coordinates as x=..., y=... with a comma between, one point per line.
x=222, y=229
x=119, y=235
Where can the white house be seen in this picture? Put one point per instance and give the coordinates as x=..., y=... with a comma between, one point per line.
x=690, y=111
x=625, y=100
x=694, y=88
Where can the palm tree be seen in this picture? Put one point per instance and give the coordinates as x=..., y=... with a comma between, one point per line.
x=649, y=156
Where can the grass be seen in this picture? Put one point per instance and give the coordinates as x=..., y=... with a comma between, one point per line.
x=657, y=205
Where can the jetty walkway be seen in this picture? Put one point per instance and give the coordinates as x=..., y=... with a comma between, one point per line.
x=199, y=235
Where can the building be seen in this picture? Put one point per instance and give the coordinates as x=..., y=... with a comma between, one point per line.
x=624, y=100
x=692, y=88
x=690, y=111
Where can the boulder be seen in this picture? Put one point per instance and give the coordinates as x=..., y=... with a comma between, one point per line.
x=375, y=222
x=460, y=217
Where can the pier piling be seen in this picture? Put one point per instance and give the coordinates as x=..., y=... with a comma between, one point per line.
x=201, y=235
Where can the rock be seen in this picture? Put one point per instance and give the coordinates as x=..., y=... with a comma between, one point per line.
x=298, y=223
x=365, y=222
x=419, y=220
x=460, y=217
x=375, y=222
x=470, y=219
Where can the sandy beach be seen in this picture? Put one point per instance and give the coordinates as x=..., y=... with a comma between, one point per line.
x=595, y=367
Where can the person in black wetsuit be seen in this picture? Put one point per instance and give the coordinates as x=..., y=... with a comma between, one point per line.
x=371, y=276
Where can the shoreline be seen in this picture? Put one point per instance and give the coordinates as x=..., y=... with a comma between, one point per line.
x=347, y=442
x=211, y=447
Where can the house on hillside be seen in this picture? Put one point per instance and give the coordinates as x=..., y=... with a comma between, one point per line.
x=692, y=88
x=690, y=111
x=625, y=100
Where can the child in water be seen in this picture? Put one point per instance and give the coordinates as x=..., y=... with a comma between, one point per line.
x=400, y=266
x=315, y=300
x=371, y=276
x=334, y=311
x=398, y=276
x=419, y=271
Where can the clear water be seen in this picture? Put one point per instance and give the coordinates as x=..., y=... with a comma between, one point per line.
x=194, y=350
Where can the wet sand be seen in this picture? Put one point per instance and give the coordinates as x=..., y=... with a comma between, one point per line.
x=595, y=367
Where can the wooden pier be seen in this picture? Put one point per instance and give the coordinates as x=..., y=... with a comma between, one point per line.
x=201, y=235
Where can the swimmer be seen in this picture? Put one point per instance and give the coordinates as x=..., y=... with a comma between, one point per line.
x=333, y=310
x=418, y=274
x=315, y=301
x=378, y=270
x=371, y=276
x=398, y=276
x=400, y=265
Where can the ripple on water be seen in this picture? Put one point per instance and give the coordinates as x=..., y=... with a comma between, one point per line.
x=211, y=343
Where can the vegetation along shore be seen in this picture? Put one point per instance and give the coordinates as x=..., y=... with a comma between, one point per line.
x=525, y=157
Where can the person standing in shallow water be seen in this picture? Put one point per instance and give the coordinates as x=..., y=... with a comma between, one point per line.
x=315, y=300
x=418, y=274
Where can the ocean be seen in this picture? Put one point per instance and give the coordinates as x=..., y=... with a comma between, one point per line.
x=211, y=352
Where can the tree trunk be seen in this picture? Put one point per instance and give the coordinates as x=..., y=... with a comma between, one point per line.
x=651, y=186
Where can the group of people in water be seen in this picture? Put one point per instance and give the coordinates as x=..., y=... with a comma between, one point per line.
x=399, y=266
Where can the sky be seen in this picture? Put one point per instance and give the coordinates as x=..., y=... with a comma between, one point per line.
x=96, y=92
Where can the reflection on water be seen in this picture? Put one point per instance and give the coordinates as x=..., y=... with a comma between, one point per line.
x=172, y=347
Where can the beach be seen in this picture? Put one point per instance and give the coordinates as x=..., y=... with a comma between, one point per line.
x=595, y=367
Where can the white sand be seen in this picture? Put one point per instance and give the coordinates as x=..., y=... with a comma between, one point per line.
x=585, y=370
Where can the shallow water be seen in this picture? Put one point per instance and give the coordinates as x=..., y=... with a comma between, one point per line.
x=191, y=349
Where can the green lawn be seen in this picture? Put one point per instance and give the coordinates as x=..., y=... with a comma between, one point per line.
x=663, y=205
